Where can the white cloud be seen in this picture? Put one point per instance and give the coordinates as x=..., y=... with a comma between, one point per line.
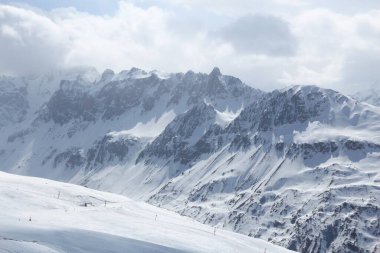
x=239, y=8
x=266, y=49
x=327, y=41
x=361, y=69
x=133, y=36
x=29, y=41
x=260, y=34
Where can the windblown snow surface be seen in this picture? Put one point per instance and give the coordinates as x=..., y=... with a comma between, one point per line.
x=44, y=216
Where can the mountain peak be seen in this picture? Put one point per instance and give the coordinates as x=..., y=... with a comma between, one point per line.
x=215, y=72
x=107, y=74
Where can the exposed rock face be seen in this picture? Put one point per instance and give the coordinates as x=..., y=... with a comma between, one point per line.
x=280, y=108
x=298, y=166
x=111, y=149
x=142, y=91
x=116, y=98
x=71, y=159
x=108, y=150
x=180, y=140
x=70, y=102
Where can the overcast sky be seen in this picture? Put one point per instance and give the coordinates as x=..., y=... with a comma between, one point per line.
x=268, y=44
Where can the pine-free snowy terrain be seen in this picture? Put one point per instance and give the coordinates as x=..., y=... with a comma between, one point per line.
x=370, y=96
x=298, y=167
x=61, y=223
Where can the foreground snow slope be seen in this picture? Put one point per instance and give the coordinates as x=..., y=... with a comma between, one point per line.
x=64, y=224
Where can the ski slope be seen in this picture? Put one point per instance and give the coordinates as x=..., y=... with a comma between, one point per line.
x=40, y=215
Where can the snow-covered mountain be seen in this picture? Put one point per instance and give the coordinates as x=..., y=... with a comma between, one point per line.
x=370, y=96
x=44, y=216
x=297, y=167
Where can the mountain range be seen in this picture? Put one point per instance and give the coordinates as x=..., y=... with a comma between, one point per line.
x=298, y=167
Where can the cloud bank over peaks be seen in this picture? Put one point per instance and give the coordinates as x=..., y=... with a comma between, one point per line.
x=268, y=46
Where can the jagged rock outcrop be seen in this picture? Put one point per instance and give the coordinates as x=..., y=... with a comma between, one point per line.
x=180, y=141
x=111, y=149
x=71, y=102
x=142, y=91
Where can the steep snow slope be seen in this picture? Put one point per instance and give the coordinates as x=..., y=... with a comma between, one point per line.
x=298, y=167
x=59, y=222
